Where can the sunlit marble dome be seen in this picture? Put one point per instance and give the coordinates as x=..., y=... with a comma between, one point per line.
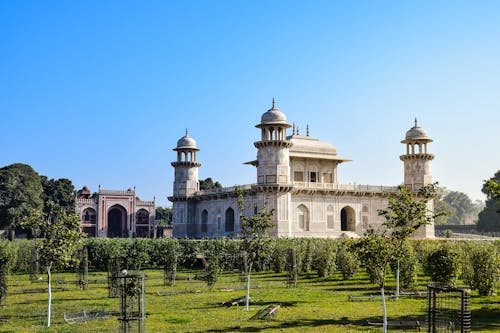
x=417, y=133
x=273, y=116
x=186, y=142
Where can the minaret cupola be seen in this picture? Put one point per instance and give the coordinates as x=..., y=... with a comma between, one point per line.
x=186, y=166
x=417, y=160
x=273, y=156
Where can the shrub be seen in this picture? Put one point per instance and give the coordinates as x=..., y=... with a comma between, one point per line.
x=347, y=261
x=326, y=255
x=279, y=248
x=407, y=267
x=481, y=267
x=4, y=268
x=443, y=265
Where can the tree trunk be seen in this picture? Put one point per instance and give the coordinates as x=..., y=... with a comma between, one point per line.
x=49, y=292
x=384, y=324
x=397, y=281
x=247, y=299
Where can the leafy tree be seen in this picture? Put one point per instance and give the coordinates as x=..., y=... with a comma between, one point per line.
x=406, y=212
x=20, y=192
x=489, y=218
x=208, y=184
x=375, y=251
x=255, y=236
x=442, y=207
x=462, y=207
x=163, y=215
x=493, y=189
x=59, y=191
x=60, y=235
x=443, y=265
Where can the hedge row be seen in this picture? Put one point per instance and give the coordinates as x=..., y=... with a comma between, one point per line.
x=476, y=263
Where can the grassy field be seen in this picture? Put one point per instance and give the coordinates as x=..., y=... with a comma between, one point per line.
x=316, y=305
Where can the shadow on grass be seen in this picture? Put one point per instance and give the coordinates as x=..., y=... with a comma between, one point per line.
x=311, y=323
x=486, y=318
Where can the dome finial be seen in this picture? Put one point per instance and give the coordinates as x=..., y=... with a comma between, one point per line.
x=273, y=104
x=293, y=129
x=186, y=131
x=307, y=130
x=416, y=122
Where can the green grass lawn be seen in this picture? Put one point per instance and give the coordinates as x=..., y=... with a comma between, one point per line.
x=316, y=305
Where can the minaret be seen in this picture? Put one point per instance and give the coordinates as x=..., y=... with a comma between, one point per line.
x=273, y=157
x=417, y=162
x=186, y=167
x=185, y=184
x=417, y=169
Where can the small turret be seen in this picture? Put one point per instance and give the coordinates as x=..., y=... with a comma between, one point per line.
x=273, y=161
x=186, y=167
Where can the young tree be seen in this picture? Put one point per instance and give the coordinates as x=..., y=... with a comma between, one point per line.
x=375, y=251
x=406, y=212
x=59, y=236
x=255, y=236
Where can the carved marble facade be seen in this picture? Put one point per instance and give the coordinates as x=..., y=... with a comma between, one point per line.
x=297, y=177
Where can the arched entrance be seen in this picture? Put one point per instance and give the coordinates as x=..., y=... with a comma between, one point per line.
x=117, y=222
x=347, y=219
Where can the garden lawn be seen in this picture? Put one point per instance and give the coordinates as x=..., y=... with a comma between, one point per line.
x=316, y=305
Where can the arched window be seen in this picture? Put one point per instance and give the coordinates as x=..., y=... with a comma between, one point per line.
x=229, y=220
x=142, y=216
x=329, y=217
x=89, y=216
x=347, y=219
x=303, y=218
x=204, y=221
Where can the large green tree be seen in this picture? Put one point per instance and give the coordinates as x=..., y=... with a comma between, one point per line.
x=462, y=206
x=163, y=215
x=209, y=184
x=59, y=235
x=20, y=192
x=60, y=192
x=489, y=218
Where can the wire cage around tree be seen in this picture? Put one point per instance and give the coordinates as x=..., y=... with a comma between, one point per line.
x=448, y=309
x=132, y=311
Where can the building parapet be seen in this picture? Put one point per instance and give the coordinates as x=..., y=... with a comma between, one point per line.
x=144, y=203
x=116, y=192
x=345, y=187
x=85, y=201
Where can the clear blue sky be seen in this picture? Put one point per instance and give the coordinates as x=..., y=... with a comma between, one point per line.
x=100, y=91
